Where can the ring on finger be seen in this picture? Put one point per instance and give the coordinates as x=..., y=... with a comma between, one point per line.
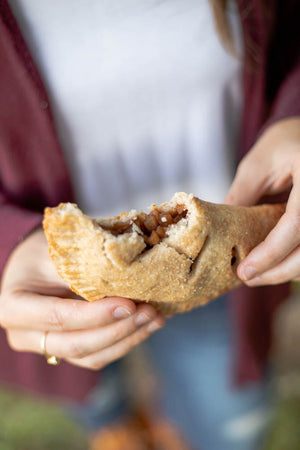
x=51, y=359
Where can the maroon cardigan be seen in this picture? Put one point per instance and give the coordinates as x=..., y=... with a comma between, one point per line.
x=33, y=174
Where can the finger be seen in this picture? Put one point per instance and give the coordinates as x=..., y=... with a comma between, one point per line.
x=26, y=340
x=250, y=183
x=101, y=359
x=281, y=241
x=287, y=270
x=277, y=245
x=78, y=344
x=33, y=311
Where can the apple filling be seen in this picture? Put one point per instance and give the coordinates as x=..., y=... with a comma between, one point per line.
x=154, y=225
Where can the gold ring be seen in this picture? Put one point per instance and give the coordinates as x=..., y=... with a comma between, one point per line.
x=51, y=359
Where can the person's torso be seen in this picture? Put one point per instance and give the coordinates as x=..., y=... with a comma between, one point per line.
x=145, y=98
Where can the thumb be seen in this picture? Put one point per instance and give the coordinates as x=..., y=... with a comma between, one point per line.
x=249, y=183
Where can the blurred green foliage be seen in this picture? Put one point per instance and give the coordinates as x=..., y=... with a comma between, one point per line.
x=295, y=287
x=284, y=432
x=34, y=424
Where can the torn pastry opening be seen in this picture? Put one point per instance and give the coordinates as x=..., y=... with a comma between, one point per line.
x=153, y=226
x=235, y=258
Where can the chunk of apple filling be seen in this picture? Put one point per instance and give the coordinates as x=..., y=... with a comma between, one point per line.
x=153, y=226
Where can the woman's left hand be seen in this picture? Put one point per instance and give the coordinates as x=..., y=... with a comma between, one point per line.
x=272, y=167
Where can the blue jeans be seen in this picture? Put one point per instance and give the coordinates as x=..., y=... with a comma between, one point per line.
x=193, y=357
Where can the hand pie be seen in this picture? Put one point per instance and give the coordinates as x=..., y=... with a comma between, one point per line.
x=181, y=255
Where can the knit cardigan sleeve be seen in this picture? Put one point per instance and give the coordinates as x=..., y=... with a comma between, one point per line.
x=33, y=173
x=283, y=66
x=15, y=224
x=287, y=101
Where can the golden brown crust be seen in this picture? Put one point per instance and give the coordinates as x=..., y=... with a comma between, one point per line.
x=193, y=264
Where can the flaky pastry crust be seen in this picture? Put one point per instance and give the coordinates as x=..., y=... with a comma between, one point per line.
x=193, y=263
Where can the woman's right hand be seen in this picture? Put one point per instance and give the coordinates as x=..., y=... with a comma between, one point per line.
x=34, y=300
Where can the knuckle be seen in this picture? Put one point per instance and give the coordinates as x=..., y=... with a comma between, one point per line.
x=55, y=318
x=252, y=165
x=77, y=309
x=246, y=165
x=116, y=333
x=270, y=256
x=76, y=350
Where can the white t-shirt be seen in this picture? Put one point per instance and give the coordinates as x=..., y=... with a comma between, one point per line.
x=145, y=99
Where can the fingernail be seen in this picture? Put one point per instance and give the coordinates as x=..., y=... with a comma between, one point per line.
x=121, y=313
x=247, y=273
x=142, y=318
x=154, y=326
